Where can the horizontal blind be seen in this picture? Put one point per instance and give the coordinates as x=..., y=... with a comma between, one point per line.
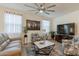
x=45, y=26
x=13, y=23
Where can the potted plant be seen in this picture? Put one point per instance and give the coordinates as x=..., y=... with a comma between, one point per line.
x=25, y=30
x=52, y=34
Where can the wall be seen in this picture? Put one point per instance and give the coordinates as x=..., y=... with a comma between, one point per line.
x=32, y=17
x=67, y=18
x=25, y=17
x=1, y=20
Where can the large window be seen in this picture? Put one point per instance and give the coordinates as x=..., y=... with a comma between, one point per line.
x=13, y=23
x=45, y=26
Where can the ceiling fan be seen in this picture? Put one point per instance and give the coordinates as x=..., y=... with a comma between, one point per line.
x=41, y=8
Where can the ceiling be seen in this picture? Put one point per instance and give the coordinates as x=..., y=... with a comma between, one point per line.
x=60, y=8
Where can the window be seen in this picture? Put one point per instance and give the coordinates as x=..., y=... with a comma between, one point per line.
x=45, y=26
x=13, y=23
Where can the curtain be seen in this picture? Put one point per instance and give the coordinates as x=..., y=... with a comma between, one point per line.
x=45, y=26
x=13, y=23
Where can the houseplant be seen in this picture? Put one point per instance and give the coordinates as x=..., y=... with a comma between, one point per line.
x=52, y=34
x=25, y=30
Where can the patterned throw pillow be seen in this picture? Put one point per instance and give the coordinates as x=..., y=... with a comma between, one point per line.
x=3, y=45
x=1, y=39
x=76, y=39
x=0, y=48
x=5, y=36
x=4, y=41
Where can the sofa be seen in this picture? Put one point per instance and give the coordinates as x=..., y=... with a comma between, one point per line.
x=9, y=46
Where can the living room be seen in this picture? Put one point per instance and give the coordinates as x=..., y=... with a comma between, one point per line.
x=27, y=26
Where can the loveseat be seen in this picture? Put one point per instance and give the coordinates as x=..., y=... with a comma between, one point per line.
x=9, y=46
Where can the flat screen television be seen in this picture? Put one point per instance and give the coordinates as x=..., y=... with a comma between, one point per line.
x=66, y=29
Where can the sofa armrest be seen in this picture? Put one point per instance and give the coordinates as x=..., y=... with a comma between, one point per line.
x=11, y=53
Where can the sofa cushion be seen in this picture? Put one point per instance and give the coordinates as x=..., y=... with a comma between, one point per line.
x=3, y=45
x=13, y=45
x=0, y=48
x=8, y=41
x=16, y=41
x=5, y=36
x=9, y=47
x=14, y=37
x=1, y=39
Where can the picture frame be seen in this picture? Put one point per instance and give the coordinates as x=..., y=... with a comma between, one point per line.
x=33, y=25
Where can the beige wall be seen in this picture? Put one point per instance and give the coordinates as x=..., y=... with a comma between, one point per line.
x=67, y=18
x=1, y=20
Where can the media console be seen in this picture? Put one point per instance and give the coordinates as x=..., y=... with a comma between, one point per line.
x=65, y=31
x=59, y=37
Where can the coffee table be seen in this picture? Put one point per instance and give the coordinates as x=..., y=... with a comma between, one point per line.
x=43, y=43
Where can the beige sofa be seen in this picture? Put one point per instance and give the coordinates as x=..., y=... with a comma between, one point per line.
x=9, y=47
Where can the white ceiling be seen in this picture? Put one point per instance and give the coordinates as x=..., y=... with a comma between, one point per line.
x=60, y=8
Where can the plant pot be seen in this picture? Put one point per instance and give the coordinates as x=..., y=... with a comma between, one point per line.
x=52, y=36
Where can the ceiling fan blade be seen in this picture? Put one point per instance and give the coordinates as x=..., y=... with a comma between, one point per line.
x=44, y=5
x=51, y=6
x=41, y=5
x=51, y=10
x=36, y=4
x=36, y=13
x=31, y=10
x=30, y=6
x=46, y=13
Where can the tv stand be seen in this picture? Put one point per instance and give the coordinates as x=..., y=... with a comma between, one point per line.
x=59, y=37
x=65, y=31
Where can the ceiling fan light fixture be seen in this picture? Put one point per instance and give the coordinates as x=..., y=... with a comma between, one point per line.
x=41, y=11
x=41, y=8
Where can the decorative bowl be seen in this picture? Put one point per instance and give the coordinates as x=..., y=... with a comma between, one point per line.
x=42, y=42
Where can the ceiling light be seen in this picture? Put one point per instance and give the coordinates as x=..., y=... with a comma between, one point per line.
x=41, y=11
x=42, y=7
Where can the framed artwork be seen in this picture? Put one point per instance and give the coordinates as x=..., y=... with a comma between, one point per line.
x=33, y=25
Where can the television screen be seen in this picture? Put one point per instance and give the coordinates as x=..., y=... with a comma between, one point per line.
x=60, y=29
x=66, y=29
